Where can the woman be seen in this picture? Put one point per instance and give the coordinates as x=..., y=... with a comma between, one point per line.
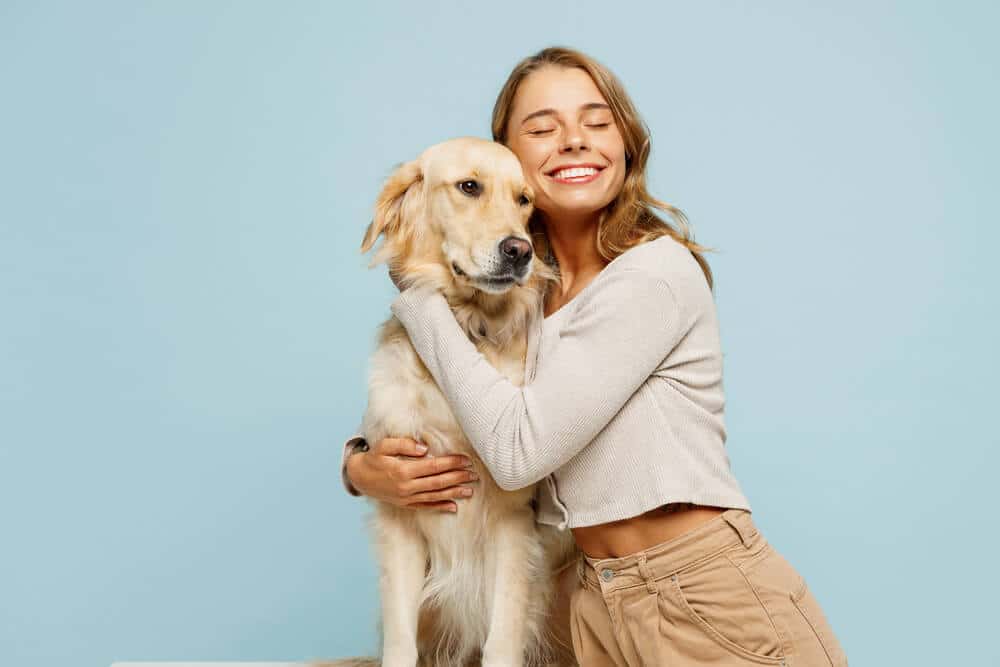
x=623, y=418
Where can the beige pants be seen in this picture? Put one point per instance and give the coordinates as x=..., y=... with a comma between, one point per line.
x=717, y=595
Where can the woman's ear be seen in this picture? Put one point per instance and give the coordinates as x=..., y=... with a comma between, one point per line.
x=398, y=191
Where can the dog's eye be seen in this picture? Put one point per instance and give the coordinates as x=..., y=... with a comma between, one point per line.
x=524, y=201
x=471, y=188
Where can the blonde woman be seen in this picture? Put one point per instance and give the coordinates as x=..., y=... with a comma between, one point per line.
x=623, y=418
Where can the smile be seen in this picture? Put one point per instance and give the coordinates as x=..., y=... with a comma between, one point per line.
x=576, y=175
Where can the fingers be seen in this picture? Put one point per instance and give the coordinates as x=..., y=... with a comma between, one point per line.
x=438, y=496
x=432, y=465
x=437, y=482
x=399, y=447
x=436, y=465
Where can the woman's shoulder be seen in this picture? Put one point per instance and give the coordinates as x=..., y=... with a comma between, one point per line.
x=664, y=258
x=664, y=261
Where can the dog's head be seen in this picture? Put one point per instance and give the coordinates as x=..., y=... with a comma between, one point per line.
x=455, y=219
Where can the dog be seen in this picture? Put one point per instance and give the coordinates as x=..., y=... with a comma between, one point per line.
x=475, y=587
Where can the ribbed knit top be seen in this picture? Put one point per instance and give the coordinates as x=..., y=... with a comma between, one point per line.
x=622, y=408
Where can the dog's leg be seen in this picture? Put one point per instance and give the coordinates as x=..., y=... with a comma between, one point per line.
x=513, y=566
x=403, y=564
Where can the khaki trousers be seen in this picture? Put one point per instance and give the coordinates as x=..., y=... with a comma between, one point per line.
x=717, y=595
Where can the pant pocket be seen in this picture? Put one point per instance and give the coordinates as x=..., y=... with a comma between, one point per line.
x=808, y=637
x=807, y=605
x=722, y=604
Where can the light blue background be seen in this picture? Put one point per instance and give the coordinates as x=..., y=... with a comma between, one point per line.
x=186, y=318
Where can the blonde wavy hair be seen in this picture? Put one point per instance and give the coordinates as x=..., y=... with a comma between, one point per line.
x=629, y=219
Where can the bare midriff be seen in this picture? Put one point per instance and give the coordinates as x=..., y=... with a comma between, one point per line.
x=628, y=536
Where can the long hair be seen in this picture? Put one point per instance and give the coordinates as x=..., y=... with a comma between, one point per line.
x=629, y=219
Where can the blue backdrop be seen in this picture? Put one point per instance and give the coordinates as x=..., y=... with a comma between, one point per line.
x=186, y=318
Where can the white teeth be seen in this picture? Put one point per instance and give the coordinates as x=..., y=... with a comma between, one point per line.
x=574, y=172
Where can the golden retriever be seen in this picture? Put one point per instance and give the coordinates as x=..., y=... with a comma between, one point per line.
x=474, y=587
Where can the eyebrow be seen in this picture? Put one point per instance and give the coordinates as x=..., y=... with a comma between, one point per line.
x=552, y=112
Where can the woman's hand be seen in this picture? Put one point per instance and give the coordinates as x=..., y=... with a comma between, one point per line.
x=387, y=472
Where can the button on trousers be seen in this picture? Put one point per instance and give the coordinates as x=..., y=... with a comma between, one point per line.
x=717, y=595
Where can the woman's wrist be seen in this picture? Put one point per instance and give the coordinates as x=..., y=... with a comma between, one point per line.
x=351, y=470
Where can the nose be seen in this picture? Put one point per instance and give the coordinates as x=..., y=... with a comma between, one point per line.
x=574, y=140
x=515, y=251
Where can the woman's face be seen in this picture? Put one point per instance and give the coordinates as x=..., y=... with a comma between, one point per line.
x=560, y=119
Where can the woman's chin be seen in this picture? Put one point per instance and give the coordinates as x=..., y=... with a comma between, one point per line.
x=576, y=207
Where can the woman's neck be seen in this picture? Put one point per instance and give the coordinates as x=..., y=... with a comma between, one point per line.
x=574, y=244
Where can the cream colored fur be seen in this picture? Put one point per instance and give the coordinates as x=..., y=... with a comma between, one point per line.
x=475, y=587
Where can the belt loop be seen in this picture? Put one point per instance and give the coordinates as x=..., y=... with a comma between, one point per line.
x=741, y=530
x=646, y=574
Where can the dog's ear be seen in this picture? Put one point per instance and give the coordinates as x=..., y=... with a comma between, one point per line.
x=399, y=192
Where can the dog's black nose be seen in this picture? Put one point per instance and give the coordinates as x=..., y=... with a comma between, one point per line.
x=516, y=251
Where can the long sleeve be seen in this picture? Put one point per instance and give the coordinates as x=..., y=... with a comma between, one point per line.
x=343, y=463
x=621, y=330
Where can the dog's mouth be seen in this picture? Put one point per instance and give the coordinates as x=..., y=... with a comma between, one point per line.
x=488, y=281
x=497, y=282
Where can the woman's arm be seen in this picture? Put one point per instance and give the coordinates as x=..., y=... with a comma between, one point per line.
x=617, y=336
x=394, y=470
